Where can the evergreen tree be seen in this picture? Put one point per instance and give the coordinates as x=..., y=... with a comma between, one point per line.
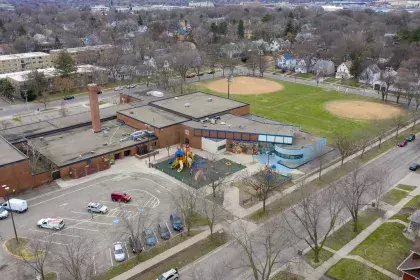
x=241, y=29
x=21, y=30
x=65, y=64
x=213, y=28
x=265, y=18
x=36, y=83
x=289, y=29
x=223, y=28
x=355, y=66
x=140, y=20
x=57, y=43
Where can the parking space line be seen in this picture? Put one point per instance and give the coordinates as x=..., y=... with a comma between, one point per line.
x=125, y=245
x=69, y=235
x=170, y=232
x=110, y=256
x=157, y=240
x=87, y=229
x=87, y=221
x=145, y=205
x=53, y=242
x=94, y=264
x=84, y=213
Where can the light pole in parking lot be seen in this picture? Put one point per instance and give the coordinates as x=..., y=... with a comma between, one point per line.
x=229, y=81
x=6, y=190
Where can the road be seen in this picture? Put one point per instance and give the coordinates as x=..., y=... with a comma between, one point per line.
x=396, y=162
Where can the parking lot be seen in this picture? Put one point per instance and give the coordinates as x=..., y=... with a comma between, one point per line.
x=151, y=196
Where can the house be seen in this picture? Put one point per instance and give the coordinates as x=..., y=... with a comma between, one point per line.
x=301, y=66
x=278, y=45
x=410, y=267
x=286, y=61
x=324, y=67
x=370, y=75
x=343, y=70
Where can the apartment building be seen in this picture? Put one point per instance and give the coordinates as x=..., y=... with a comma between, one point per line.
x=98, y=9
x=81, y=53
x=24, y=61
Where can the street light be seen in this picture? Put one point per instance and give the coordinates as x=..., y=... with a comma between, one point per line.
x=229, y=81
x=6, y=190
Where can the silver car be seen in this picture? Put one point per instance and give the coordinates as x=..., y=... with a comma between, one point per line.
x=97, y=207
x=119, y=254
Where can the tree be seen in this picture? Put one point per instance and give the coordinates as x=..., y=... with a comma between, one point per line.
x=345, y=145
x=33, y=149
x=37, y=84
x=398, y=121
x=355, y=66
x=389, y=79
x=260, y=252
x=307, y=51
x=318, y=149
x=63, y=110
x=41, y=253
x=311, y=213
x=45, y=99
x=363, y=138
x=216, y=180
x=65, y=64
x=182, y=61
x=381, y=128
x=212, y=213
x=241, y=29
x=140, y=20
x=351, y=190
x=6, y=88
x=76, y=259
x=380, y=177
x=199, y=61
x=186, y=203
x=264, y=182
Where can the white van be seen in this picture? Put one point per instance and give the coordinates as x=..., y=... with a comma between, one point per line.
x=3, y=213
x=51, y=223
x=16, y=205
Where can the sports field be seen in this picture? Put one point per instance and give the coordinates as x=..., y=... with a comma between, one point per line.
x=307, y=106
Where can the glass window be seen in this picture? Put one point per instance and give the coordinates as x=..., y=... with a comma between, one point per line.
x=286, y=156
x=221, y=147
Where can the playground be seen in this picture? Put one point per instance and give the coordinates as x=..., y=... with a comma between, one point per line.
x=306, y=106
x=245, y=85
x=194, y=168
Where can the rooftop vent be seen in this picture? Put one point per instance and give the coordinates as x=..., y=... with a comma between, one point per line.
x=222, y=123
x=187, y=105
x=176, y=98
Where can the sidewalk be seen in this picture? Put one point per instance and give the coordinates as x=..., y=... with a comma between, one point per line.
x=163, y=256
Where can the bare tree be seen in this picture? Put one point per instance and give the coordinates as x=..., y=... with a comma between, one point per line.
x=45, y=98
x=398, y=121
x=416, y=94
x=351, y=190
x=345, y=145
x=41, y=253
x=261, y=252
x=310, y=214
x=363, y=138
x=4, y=124
x=76, y=259
x=181, y=62
x=32, y=151
x=319, y=155
x=63, y=110
x=381, y=128
x=379, y=177
x=308, y=52
x=199, y=61
x=213, y=214
x=264, y=182
x=415, y=115
x=388, y=79
x=186, y=203
x=216, y=180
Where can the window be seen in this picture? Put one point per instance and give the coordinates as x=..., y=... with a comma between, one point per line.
x=221, y=147
x=288, y=156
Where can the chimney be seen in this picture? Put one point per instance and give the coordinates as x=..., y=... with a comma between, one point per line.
x=94, y=107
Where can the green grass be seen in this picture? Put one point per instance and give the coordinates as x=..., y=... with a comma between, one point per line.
x=324, y=255
x=386, y=247
x=409, y=208
x=198, y=220
x=21, y=249
x=401, y=216
x=184, y=257
x=305, y=75
x=414, y=202
x=347, y=269
x=156, y=250
x=406, y=187
x=16, y=119
x=102, y=102
x=285, y=275
x=345, y=233
x=51, y=276
x=331, y=80
x=394, y=196
x=302, y=105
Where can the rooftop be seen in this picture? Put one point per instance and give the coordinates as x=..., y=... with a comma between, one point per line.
x=80, y=49
x=8, y=153
x=22, y=55
x=198, y=105
x=153, y=116
x=143, y=95
x=78, y=144
x=229, y=122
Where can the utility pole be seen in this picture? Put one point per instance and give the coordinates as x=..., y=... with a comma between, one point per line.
x=229, y=81
x=6, y=190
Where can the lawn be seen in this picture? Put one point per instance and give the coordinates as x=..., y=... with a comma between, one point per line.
x=305, y=75
x=19, y=249
x=408, y=209
x=386, y=247
x=406, y=187
x=124, y=266
x=323, y=256
x=284, y=275
x=184, y=257
x=414, y=202
x=51, y=276
x=394, y=196
x=345, y=233
x=347, y=269
x=299, y=104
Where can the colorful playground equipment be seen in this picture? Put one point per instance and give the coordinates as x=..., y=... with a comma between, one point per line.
x=183, y=157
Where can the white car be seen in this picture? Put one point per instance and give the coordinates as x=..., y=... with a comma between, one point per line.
x=119, y=254
x=171, y=274
x=97, y=207
x=3, y=213
x=51, y=223
x=118, y=88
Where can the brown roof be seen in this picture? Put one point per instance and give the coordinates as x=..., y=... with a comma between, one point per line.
x=414, y=272
x=410, y=264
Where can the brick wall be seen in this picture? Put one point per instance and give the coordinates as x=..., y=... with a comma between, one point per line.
x=240, y=111
x=187, y=132
x=126, y=98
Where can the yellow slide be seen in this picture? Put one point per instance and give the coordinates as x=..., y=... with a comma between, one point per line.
x=181, y=165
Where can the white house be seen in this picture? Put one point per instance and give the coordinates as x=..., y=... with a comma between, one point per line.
x=370, y=75
x=326, y=67
x=301, y=66
x=99, y=9
x=286, y=61
x=278, y=45
x=201, y=4
x=343, y=70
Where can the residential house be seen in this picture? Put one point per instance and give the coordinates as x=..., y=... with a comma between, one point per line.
x=279, y=44
x=301, y=37
x=370, y=75
x=324, y=67
x=343, y=70
x=410, y=267
x=301, y=66
x=286, y=61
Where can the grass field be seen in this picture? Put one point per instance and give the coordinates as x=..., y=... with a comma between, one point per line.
x=301, y=105
x=347, y=269
x=394, y=196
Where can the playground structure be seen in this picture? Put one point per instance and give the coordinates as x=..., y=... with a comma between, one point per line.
x=183, y=157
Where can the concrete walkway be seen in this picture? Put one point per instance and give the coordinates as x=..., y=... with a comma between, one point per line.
x=411, y=179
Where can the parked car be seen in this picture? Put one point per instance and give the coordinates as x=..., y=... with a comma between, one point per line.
x=210, y=72
x=192, y=75
x=135, y=248
x=3, y=213
x=119, y=254
x=176, y=221
x=410, y=137
x=118, y=88
x=164, y=231
x=150, y=237
x=402, y=143
x=15, y=205
x=68, y=97
x=51, y=223
x=99, y=91
x=171, y=274
x=120, y=196
x=414, y=166
x=131, y=86
x=97, y=207
x=201, y=74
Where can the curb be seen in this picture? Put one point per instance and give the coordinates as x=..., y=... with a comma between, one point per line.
x=10, y=253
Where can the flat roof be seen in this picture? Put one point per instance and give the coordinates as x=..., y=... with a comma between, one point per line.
x=153, y=116
x=143, y=95
x=197, y=105
x=19, y=132
x=8, y=153
x=75, y=145
x=232, y=123
x=87, y=48
x=22, y=55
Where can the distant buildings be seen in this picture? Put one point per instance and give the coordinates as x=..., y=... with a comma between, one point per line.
x=99, y=9
x=201, y=4
x=79, y=53
x=24, y=61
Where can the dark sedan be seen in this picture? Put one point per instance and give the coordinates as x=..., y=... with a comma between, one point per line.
x=176, y=222
x=164, y=231
x=69, y=97
x=414, y=166
x=410, y=137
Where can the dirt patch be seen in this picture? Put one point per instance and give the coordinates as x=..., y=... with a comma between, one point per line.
x=245, y=86
x=362, y=110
